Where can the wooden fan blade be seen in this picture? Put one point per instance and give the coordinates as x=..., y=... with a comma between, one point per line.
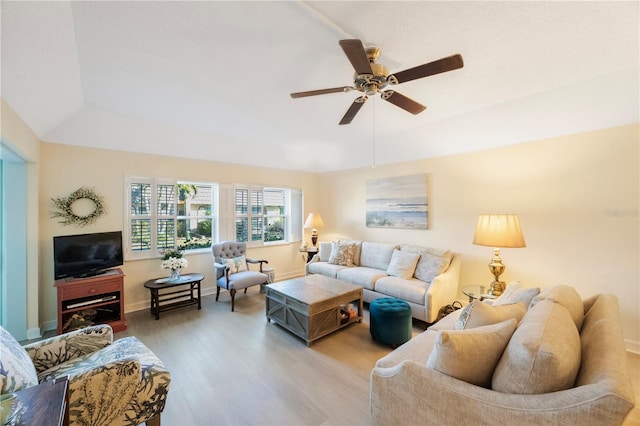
x=356, y=54
x=353, y=109
x=449, y=63
x=403, y=102
x=321, y=92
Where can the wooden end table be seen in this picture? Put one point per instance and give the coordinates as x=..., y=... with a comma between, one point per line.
x=178, y=297
x=46, y=404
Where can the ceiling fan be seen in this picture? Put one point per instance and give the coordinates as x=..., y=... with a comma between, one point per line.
x=370, y=78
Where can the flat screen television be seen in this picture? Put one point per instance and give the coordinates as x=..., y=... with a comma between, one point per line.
x=85, y=255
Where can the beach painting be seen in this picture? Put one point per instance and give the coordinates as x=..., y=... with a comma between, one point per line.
x=398, y=202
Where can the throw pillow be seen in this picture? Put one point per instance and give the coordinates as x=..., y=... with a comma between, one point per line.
x=236, y=264
x=566, y=296
x=324, y=251
x=402, y=264
x=543, y=354
x=357, y=249
x=478, y=314
x=471, y=355
x=17, y=370
x=446, y=255
x=342, y=254
x=430, y=266
x=516, y=292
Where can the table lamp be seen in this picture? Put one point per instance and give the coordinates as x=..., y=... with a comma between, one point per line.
x=314, y=221
x=498, y=231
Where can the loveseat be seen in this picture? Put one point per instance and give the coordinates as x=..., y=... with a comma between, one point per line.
x=426, y=278
x=548, y=358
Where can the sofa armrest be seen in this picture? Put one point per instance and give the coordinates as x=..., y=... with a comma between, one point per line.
x=315, y=258
x=436, y=398
x=443, y=289
x=100, y=393
x=50, y=352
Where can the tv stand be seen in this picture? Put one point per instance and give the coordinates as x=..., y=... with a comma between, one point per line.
x=98, y=299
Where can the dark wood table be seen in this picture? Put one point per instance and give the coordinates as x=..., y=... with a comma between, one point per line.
x=176, y=297
x=45, y=404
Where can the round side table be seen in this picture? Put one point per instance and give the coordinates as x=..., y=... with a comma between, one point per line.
x=477, y=292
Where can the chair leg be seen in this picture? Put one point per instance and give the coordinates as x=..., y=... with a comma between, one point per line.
x=245, y=290
x=233, y=298
x=154, y=421
x=217, y=293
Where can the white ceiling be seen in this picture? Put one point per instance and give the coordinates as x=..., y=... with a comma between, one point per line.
x=211, y=80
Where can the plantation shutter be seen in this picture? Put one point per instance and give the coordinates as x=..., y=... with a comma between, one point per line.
x=226, y=212
x=296, y=215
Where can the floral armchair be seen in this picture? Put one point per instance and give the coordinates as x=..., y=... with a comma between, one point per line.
x=110, y=383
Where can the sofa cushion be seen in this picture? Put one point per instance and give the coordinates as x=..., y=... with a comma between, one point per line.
x=478, y=314
x=516, y=292
x=471, y=355
x=360, y=275
x=342, y=254
x=325, y=268
x=376, y=255
x=566, y=296
x=356, y=254
x=16, y=368
x=324, y=251
x=402, y=264
x=543, y=354
x=411, y=290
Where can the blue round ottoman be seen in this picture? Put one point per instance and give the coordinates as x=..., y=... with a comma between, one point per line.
x=390, y=321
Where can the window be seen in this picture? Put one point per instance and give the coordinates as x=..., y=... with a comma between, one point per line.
x=163, y=214
x=167, y=214
x=264, y=215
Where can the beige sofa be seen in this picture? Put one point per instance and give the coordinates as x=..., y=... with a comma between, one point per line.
x=426, y=278
x=593, y=390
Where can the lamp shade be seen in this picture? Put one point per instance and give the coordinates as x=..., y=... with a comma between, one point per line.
x=314, y=220
x=499, y=230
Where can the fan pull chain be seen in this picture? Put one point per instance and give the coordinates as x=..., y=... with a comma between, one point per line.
x=373, y=147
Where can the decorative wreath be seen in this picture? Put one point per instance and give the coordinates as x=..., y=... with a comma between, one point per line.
x=64, y=204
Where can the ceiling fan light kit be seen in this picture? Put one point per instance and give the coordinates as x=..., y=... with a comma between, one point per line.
x=370, y=78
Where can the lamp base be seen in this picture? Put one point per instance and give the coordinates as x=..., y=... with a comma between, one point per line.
x=497, y=288
x=314, y=238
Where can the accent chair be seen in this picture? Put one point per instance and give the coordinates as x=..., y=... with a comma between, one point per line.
x=232, y=269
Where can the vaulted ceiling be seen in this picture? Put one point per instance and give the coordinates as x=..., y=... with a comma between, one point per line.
x=211, y=80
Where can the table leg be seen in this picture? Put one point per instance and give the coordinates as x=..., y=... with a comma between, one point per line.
x=199, y=299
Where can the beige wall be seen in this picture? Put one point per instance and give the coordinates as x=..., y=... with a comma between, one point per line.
x=576, y=197
x=65, y=168
x=17, y=136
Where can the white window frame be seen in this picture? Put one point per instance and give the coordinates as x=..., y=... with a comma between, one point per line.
x=153, y=215
x=292, y=214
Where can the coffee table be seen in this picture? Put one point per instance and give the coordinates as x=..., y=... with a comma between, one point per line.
x=309, y=306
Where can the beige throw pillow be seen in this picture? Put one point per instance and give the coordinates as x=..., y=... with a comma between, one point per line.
x=566, y=296
x=471, y=355
x=516, y=292
x=478, y=314
x=402, y=264
x=342, y=254
x=236, y=264
x=543, y=354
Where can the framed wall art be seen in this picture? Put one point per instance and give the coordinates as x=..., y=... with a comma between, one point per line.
x=397, y=202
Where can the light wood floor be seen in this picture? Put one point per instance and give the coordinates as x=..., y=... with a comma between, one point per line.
x=237, y=369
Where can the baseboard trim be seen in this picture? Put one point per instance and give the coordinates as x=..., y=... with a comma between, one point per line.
x=34, y=333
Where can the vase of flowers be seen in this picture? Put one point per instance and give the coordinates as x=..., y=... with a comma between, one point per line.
x=172, y=259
